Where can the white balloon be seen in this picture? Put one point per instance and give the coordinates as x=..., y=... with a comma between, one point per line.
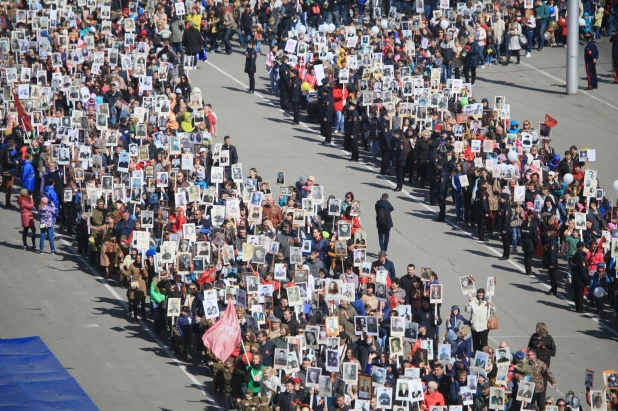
x=512, y=156
x=615, y=185
x=384, y=24
x=302, y=29
x=444, y=24
x=375, y=30
x=599, y=292
x=321, y=28
x=329, y=56
x=582, y=22
x=502, y=167
x=568, y=178
x=331, y=27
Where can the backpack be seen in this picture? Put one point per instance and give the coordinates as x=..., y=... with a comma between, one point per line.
x=382, y=218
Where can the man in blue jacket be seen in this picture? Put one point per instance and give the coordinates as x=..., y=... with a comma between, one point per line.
x=50, y=193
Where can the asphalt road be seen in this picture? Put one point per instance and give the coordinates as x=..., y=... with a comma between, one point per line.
x=84, y=321
x=266, y=140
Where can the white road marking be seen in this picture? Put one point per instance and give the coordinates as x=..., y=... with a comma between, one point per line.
x=91, y=325
x=419, y=201
x=145, y=327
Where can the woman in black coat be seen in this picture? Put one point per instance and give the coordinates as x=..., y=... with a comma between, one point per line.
x=192, y=42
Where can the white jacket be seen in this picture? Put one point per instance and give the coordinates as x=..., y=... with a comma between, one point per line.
x=480, y=314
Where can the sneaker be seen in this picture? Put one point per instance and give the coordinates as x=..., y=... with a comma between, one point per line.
x=483, y=66
x=528, y=55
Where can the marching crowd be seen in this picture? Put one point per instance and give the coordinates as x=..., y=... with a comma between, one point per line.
x=111, y=142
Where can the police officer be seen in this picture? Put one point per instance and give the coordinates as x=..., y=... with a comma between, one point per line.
x=481, y=205
x=384, y=139
x=591, y=54
x=503, y=223
x=529, y=239
x=579, y=274
x=433, y=173
x=295, y=96
x=328, y=111
x=442, y=187
x=352, y=128
x=399, y=157
x=284, y=82
x=421, y=151
x=550, y=259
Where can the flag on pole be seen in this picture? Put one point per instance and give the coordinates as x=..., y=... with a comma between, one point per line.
x=550, y=121
x=23, y=116
x=223, y=337
x=208, y=276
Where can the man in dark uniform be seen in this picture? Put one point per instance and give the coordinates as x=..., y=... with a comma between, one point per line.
x=591, y=54
x=550, y=259
x=614, y=40
x=421, y=151
x=352, y=128
x=579, y=274
x=433, y=172
x=384, y=138
x=284, y=82
x=442, y=187
x=328, y=111
x=250, y=69
x=529, y=239
x=503, y=223
x=399, y=157
x=295, y=96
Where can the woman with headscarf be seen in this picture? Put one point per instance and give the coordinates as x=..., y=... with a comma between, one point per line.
x=136, y=293
x=187, y=123
x=26, y=204
x=47, y=211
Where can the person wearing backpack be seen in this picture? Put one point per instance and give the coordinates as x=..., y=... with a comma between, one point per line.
x=384, y=222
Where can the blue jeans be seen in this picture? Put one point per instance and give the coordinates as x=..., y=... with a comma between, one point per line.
x=610, y=24
x=597, y=33
x=374, y=146
x=336, y=17
x=529, y=36
x=459, y=205
x=339, y=126
x=427, y=11
x=515, y=236
x=383, y=237
x=541, y=27
x=447, y=72
x=49, y=233
x=274, y=80
x=345, y=14
x=241, y=38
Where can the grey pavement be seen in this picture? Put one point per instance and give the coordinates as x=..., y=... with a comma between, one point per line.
x=266, y=140
x=84, y=321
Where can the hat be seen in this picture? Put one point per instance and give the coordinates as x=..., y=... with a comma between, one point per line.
x=519, y=355
x=601, y=265
x=202, y=149
x=324, y=81
x=46, y=144
x=422, y=324
x=275, y=320
x=397, y=131
x=581, y=245
x=150, y=253
x=435, y=143
x=485, y=385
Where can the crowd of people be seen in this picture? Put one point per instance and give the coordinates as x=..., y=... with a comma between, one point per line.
x=112, y=144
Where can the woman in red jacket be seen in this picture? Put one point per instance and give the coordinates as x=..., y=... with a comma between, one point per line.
x=432, y=397
x=26, y=204
x=339, y=94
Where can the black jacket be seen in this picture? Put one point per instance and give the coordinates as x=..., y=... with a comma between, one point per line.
x=550, y=253
x=399, y=153
x=422, y=151
x=284, y=76
x=296, y=92
x=232, y=152
x=579, y=270
x=529, y=235
x=352, y=124
x=328, y=105
x=503, y=218
x=192, y=40
x=251, y=56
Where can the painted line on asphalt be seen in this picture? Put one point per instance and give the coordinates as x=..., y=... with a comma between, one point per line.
x=144, y=326
x=558, y=79
x=519, y=267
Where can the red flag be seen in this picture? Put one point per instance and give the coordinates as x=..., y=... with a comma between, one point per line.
x=550, y=121
x=207, y=276
x=23, y=116
x=223, y=337
x=415, y=347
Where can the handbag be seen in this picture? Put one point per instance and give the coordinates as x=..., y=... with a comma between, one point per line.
x=492, y=320
x=134, y=285
x=202, y=55
x=523, y=41
x=315, y=9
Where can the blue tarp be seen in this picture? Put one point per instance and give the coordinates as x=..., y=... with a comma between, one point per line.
x=32, y=378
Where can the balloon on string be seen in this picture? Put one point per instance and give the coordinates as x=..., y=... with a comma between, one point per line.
x=551, y=9
x=305, y=86
x=384, y=24
x=582, y=22
x=321, y=28
x=329, y=56
x=615, y=185
x=547, y=35
x=562, y=22
x=568, y=178
x=302, y=29
x=599, y=292
x=331, y=27
x=444, y=24
x=502, y=167
x=375, y=30
x=512, y=156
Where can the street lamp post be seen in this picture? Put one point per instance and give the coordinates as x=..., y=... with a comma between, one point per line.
x=572, y=46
